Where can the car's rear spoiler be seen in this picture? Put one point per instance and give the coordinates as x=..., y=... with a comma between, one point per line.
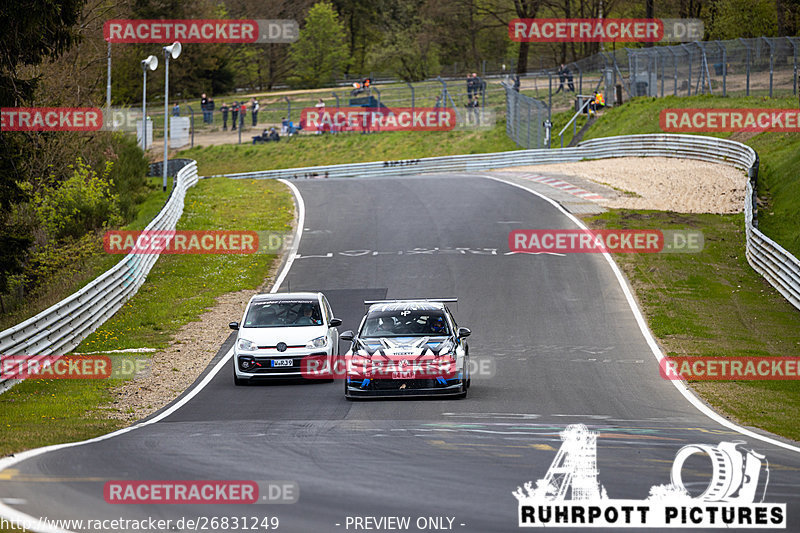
x=443, y=300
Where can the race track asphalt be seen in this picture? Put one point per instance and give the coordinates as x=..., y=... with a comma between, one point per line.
x=556, y=338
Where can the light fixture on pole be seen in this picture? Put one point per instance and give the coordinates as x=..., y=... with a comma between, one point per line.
x=173, y=50
x=150, y=63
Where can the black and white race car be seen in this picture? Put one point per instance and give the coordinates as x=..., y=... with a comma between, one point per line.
x=407, y=348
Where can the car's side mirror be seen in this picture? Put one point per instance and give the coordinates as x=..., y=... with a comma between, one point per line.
x=464, y=332
x=336, y=322
x=347, y=336
x=234, y=325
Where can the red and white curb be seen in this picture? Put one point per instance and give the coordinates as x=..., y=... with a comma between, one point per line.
x=564, y=186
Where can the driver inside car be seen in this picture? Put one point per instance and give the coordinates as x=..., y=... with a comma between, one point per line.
x=437, y=325
x=308, y=318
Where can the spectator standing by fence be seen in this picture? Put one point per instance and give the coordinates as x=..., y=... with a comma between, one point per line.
x=204, y=107
x=242, y=113
x=224, y=110
x=211, y=106
x=176, y=110
x=254, y=107
x=234, y=115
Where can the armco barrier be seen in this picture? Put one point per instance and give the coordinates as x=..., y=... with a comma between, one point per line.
x=60, y=328
x=768, y=258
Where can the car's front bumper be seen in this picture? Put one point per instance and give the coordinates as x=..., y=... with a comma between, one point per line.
x=261, y=366
x=359, y=387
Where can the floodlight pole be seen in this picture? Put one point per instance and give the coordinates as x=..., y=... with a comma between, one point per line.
x=144, y=107
x=166, y=117
x=168, y=50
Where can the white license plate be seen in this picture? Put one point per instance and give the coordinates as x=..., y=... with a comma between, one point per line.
x=282, y=362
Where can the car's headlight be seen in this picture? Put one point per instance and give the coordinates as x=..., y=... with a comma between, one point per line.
x=319, y=342
x=246, y=346
x=447, y=347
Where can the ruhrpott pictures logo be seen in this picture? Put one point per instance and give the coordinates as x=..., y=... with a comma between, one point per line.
x=733, y=498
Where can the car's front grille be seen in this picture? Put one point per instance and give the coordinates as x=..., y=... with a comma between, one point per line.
x=263, y=365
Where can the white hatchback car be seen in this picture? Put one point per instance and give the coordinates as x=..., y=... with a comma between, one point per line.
x=281, y=333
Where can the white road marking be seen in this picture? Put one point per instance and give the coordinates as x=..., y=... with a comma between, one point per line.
x=651, y=341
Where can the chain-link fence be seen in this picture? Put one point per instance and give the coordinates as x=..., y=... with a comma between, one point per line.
x=218, y=126
x=764, y=66
x=526, y=120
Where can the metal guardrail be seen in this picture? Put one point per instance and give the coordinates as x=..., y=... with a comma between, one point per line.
x=768, y=258
x=61, y=327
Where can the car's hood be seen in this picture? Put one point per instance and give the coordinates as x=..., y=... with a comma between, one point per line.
x=402, y=346
x=292, y=336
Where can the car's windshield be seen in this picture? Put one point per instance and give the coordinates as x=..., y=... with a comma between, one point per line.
x=272, y=314
x=399, y=323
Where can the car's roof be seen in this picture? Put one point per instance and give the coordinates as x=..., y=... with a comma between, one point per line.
x=286, y=296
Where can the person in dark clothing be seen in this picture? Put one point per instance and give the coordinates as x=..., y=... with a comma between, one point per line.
x=234, y=115
x=211, y=106
x=204, y=107
x=224, y=110
x=562, y=77
x=254, y=107
x=570, y=83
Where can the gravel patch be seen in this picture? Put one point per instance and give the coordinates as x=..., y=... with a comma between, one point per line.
x=659, y=183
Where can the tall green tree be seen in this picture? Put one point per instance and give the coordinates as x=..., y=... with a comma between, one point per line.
x=32, y=33
x=760, y=15
x=320, y=54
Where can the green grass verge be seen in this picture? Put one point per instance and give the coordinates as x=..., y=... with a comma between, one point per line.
x=312, y=150
x=178, y=289
x=712, y=303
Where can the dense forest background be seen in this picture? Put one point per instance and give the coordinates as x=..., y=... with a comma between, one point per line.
x=58, y=191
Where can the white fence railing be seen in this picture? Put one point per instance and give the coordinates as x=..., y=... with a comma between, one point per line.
x=61, y=327
x=768, y=258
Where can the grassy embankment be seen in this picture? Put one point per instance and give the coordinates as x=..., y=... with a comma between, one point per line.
x=713, y=303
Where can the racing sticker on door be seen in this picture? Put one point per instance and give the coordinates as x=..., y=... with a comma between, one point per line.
x=570, y=493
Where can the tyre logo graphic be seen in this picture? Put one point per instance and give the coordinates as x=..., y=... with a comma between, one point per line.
x=570, y=493
x=281, y=346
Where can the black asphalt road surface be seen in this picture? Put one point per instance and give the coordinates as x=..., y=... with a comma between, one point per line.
x=555, y=338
